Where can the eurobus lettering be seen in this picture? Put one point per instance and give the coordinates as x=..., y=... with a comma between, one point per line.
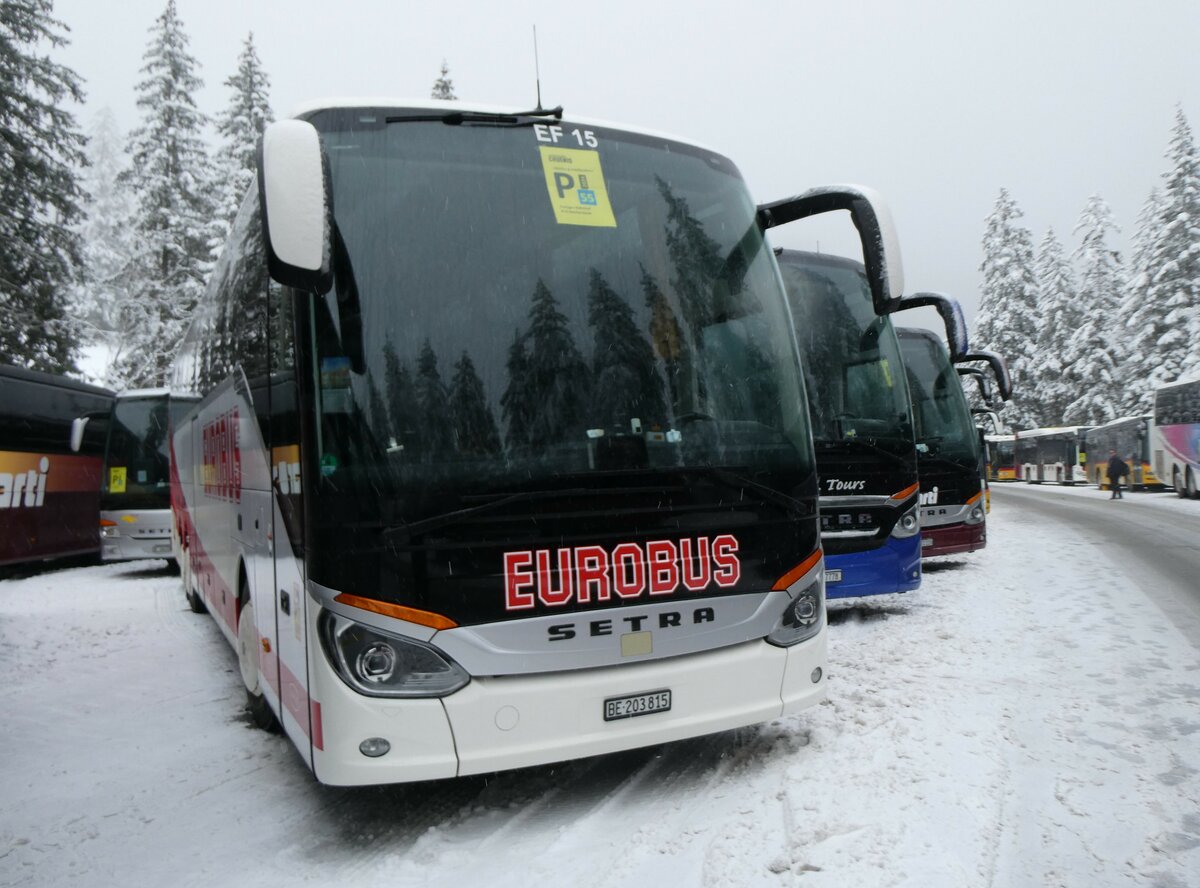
x=468, y=442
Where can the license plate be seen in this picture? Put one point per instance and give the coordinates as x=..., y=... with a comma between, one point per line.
x=833, y=576
x=636, y=704
x=162, y=547
x=926, y=541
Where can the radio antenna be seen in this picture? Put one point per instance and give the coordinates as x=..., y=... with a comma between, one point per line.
x=537, y=74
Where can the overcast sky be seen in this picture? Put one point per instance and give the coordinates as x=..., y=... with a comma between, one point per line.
x=936, y=104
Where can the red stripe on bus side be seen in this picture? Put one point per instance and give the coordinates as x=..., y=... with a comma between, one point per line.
x=294, y=696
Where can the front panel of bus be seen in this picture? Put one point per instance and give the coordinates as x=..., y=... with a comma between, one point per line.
x=862, y=427
x=539, y=462
x=135, y=501
x=953, y=516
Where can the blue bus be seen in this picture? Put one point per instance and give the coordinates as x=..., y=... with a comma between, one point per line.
x=862, y=426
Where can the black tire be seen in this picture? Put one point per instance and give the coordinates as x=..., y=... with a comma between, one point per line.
x=195, y=602
x=1190, y=484
x=257, y=707
x=1177, y=483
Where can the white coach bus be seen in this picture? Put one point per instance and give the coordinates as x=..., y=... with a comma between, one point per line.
x=503, y=454
x=1175, y=435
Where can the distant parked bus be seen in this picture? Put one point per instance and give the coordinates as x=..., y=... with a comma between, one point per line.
x=1057, y=455
x=1175, y=436
x=949, y=458
x=135, y=492
x=1001, y=457
x=49, y=496
x=1130, y=437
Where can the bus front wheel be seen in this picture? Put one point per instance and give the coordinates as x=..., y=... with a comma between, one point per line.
x=1177, y=483
x=1192, y=491
x=260, y=712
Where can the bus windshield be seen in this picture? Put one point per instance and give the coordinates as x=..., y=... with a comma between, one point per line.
x=512, y=317
x=136, y=466
x=856, y=387
x=945, y=429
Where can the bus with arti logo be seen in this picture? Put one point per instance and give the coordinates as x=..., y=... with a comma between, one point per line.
x=135, y=492
x=862, y=421
x=1175, y=435
x=503, y=454
x=49, y=495
x=949, y=455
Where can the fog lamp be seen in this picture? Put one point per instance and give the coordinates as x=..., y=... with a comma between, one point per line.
x=374, y=747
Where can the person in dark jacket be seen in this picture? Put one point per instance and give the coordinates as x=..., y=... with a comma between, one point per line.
x=1117, y=469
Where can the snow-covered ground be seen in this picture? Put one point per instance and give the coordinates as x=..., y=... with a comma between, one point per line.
x=1027, y=718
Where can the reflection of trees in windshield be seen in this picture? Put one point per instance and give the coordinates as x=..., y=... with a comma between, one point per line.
x=475, y=431
x=431, y=403
x=624, y=377
x=401, y=402
x=548, y=380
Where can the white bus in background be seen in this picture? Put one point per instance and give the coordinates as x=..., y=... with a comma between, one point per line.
x=135, y=491
x=1056, y=455
x=503, y=455
x=1175, y=436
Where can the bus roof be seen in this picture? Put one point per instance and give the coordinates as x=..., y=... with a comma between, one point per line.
x=53, y=379
x=1053, y=430
x=1190, y=379
x=304, y=109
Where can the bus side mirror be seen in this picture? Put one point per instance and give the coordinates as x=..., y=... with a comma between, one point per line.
x=999, y=369
x=952, y=317
x=985, y=390
x=78, y=424
x=872, y=218
x=294, y=198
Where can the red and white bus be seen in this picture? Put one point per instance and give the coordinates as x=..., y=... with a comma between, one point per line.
x=503, y=455
x=49, y=495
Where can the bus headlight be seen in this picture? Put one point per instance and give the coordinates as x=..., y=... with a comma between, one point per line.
x=380, y=664
x=802, y=618
x=976, y=515
x=908, y=525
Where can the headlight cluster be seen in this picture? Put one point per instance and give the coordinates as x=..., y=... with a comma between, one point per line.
x=380, y=664
x=977, y=514
x=909, y=524
x=802, y=617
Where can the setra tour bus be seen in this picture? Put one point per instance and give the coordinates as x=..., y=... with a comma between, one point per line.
x=135, y=492
x=49, y=495
x=1175, y=435
x=503, y=455
x=1129, y=436
x=861, y=424
x=1056, y=455
x=953, y=509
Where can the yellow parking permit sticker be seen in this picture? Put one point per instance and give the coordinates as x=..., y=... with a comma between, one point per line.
x=116, y=479
x=576, y=186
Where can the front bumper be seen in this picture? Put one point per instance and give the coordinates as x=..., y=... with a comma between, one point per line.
x=893, y=567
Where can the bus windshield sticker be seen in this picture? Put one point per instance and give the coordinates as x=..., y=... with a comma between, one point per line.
x=575, y=183
x=116, y=479
x=335, y=385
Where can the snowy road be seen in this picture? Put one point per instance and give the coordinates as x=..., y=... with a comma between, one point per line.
x=1029, y=717
x=1154, y=537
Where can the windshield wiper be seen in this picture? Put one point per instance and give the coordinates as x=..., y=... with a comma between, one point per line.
x=740, y=482
x=458, y=118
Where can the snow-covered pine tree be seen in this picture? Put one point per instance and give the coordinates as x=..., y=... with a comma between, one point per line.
x=1174, y=286
x=168, y=173
x=1090, y=359
x=475, y=431
x=1058, y=305
x=625, y=381
x=239, y=126
x=443, y=87
x=1139, y=324
x=40, y=150
x=1007, y=322
x=105, y=234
